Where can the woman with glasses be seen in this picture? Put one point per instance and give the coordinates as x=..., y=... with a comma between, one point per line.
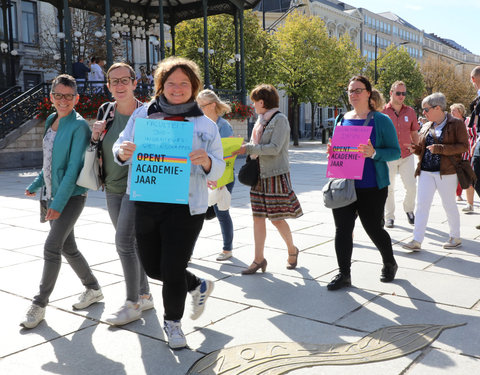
x=442, y=141
x=64, y=143
x=214, y=108
x=167, y=232
x=111, y=120
x=371, y=190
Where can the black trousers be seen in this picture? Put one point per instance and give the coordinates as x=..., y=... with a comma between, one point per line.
x=476, y=167
x=166, y=236
x=369, y=206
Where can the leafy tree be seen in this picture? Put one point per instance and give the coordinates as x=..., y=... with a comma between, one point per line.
x=306, y=59
x=259, y=46
x=440, y=76
x=395, y=64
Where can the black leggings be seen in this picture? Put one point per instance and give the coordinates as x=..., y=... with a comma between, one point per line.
x=166, y=235
x=369, y=206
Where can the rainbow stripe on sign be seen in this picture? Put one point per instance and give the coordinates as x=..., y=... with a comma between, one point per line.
x=345, y=149
x=161, y=158
x=230, y=157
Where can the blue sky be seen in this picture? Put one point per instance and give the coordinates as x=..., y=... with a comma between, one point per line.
x=458, y=20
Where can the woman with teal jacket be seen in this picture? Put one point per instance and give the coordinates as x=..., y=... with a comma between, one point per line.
x=66, y=138
x=371, y=190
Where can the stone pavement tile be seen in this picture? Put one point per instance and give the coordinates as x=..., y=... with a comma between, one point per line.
x=7, y=213
x=24, y=279
x=10, y=258
x=16, y=238
x=438, y=362
x=20, y=338
x=20, y=202
x=299, y=297
x=102, y=232
x=320, y=230
x=425, y=285
x=93, y=351
x=388, y=310
x=262, y=325
x=458, y=265
x=31, y=222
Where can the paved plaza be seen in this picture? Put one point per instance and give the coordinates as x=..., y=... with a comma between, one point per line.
x=433, y=286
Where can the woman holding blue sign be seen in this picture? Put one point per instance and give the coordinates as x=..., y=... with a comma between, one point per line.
x=214, y=108
x=371, y=189
x=111, y=120
x=166, y=232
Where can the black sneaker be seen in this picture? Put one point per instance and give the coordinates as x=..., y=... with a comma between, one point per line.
x=339, y=281
x=411, y=218
x=388, y=272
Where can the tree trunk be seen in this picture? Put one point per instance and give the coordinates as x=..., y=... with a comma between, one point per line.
x=312, y=107
x=295, y=120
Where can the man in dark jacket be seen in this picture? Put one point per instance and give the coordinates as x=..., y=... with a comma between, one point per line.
x=475, y=109
x=79, y=72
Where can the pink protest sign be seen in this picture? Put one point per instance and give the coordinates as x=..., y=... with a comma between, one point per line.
x=346, y=161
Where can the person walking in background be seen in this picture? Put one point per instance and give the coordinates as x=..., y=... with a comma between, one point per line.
x=371, y=189
x=64, y=143
x=458, y=111
x=475, y=124
x=273, y=196
x=377, y=100
x=166, y=232
x=404, y=119
x=79, y=72
x=96, y=76
x=214, y=108
x=121, y=83
x=442, y=141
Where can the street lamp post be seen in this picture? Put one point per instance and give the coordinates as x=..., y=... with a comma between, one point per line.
x=376, y=47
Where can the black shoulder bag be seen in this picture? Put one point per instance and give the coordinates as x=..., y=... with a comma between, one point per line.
x=250, y=171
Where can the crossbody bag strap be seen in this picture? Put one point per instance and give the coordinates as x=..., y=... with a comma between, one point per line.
x=365, y=123
x=271, y=118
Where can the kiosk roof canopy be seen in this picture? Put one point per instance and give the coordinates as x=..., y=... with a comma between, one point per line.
x=174, y=11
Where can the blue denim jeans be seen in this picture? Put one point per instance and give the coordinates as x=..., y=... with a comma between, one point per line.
x=122, y=213
x=61, y=241
x=226, y=224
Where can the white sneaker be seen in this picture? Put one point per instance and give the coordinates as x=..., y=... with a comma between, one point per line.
x=468, y=209
x=224, y=256
x=199, y=297
x=175, y=336
x=413, y=245
x=34, y=316
x=146, y=302
x=452, y=243
x=88, y=297
x=129, y=312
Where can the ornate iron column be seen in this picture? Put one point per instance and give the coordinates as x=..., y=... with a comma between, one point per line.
x=243, y=91
x=108, y=34
x=162, y=29
x=68, y=38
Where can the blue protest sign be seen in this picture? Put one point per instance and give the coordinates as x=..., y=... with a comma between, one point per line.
x=160, y=164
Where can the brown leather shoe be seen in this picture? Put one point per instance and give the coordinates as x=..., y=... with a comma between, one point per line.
x=292, y=266
x=255, y=267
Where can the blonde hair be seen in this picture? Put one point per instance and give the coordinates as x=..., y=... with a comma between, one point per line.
x=459, y=107
x=220, y=106
x=376, y=100
x=169, y=65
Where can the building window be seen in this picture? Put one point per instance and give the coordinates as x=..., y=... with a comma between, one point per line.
x=29, y=22
x=14, y=23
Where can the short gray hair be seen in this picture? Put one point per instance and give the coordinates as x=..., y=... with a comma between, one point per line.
x=437, y=98
x=65, y=80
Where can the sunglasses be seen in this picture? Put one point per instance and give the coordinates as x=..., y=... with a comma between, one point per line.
x=426, y=109
x=59, y=96
x=401, y=93
x=124, y=81
x=356, y=91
